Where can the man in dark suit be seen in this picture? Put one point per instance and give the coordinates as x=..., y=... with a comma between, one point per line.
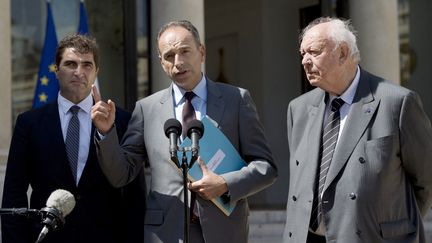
x=181, y=55
x=360, y=149
x=39, y=157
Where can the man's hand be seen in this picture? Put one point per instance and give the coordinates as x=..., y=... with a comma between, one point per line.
x=102, y=114
x=210, y=185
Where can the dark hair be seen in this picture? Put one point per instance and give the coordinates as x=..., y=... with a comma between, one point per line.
x=82, y=44
x=180, y=23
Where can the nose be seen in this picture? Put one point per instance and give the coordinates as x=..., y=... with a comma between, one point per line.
x=78, y=70
x=178, y=61
x=306, y=60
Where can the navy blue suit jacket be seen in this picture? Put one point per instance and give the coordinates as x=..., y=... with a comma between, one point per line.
x=37, y=157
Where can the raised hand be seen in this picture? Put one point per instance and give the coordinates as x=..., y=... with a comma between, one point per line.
x=210, y=185
x=102, y=113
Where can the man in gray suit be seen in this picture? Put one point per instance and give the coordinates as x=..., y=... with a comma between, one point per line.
x=181, y=55
x=368, y=178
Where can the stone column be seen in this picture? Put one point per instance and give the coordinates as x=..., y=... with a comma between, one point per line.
x=5, y=80
x=163, y=11
x=378, y=38
x=6, y=87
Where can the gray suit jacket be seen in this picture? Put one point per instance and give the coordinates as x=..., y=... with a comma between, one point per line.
x=379, y=184
x=233, y=110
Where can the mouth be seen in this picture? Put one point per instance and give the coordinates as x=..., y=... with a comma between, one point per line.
x=77, y=82
x=309, y=74
x=180, y=73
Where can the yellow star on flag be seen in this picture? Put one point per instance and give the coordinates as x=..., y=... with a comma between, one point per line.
x=44, y=80
x=52, y=67
x=43, y=97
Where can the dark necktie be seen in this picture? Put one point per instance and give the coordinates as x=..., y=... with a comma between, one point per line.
x=72, y=140
x=329, y=139
x=188, y=114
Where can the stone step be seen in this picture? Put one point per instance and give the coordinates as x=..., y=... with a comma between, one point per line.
x=268, y=226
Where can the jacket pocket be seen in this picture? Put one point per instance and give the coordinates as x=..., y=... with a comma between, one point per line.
x=379, y=152
x=397, y=228
x=385, y=142
x=154, y=217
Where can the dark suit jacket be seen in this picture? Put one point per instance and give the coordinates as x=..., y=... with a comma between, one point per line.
x=379, y=184
x=37, y=157
x=234, y=112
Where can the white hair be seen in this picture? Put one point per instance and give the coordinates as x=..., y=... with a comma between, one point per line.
x=341, y=31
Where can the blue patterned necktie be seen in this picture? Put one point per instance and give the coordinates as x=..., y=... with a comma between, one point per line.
x=73, y=140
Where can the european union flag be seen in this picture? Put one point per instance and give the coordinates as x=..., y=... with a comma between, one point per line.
x=47, y=86
x=83, y=26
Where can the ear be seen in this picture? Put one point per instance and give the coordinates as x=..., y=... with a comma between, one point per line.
x=202, y=50
x=56, y=71
x=343, y=53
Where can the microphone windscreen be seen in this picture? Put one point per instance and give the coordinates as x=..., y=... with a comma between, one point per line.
x=196, y=126
x=61, y=200
x=172, y=125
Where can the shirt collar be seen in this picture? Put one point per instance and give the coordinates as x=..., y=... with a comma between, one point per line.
x=348, y=95
x=200, y=90
x=65, y=104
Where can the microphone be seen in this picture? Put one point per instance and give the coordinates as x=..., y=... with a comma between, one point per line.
x=173, y=129
x=59, y=204
x=195, y=132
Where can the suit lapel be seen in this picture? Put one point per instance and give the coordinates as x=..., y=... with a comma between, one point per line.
x=215, y=102
x=361, y=111
x=309, y=148
x=166, y=106
x=56, y=136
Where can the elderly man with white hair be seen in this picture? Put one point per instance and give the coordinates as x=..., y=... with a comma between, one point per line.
x=360, y=148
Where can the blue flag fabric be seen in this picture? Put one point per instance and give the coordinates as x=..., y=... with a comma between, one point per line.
x=83, y=26
x=47, y=86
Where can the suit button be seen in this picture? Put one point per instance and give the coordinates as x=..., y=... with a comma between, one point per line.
x=294, y=198
x=297, y=163
x=289, y=234
x=78, y=197
x=362, y=160
x=352, y=195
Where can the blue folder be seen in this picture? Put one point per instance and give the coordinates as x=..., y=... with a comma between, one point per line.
x=219, y=155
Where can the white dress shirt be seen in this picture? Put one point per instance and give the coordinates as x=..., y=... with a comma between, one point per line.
x=199, y=101
x=347, y=97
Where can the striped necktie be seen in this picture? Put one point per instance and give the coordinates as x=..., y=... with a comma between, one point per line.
x=329, y=139
x=72, y=140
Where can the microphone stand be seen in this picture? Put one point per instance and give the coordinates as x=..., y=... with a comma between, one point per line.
x=185, y=166
x=172, y=129
x=19, y=211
